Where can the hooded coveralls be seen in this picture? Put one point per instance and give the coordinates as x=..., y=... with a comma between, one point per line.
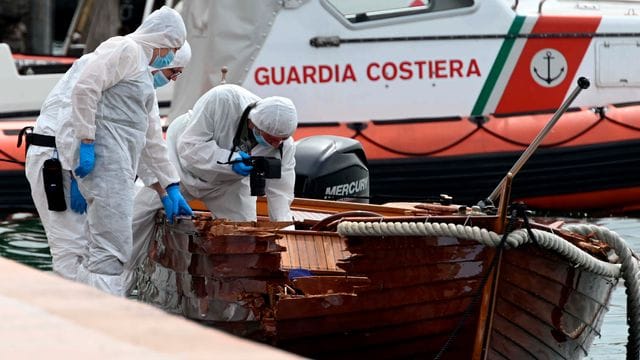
x=107, y=96
x=196, y=142
x=143, y=220
x=207, y=139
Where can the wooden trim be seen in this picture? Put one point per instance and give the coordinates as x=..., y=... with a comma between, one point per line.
x=487, y=307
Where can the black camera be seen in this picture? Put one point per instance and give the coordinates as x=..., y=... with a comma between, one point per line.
x=263, y=168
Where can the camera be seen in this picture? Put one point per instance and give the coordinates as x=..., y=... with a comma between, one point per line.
x=263, y=168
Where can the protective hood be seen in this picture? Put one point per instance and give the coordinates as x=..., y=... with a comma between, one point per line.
x=163, y=28
x=276, y=116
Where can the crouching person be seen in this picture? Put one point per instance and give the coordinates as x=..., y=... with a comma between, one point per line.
x=208, y=144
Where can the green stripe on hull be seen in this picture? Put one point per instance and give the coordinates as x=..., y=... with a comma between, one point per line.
x=497, y=67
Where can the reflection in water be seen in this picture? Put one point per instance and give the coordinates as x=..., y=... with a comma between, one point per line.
x=23, y=239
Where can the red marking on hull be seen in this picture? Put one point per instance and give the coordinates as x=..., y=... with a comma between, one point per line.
x=616, y=200
x=517, y=96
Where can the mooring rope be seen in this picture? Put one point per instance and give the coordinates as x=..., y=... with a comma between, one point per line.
x=628, y=269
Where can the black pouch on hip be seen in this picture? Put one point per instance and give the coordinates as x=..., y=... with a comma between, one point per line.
x=53, y=188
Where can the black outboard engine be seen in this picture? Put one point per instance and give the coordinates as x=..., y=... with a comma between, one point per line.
x=331, y=167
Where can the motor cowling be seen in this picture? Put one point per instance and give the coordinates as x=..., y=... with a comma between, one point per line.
x=332, y=168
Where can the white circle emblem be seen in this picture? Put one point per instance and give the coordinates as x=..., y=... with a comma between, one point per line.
x=548, y=67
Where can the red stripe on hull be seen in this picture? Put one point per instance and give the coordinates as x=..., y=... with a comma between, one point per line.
x=498, y=134
x=523, y=93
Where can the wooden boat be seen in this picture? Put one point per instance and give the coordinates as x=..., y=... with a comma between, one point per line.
x=405, y=280
x=386, y=294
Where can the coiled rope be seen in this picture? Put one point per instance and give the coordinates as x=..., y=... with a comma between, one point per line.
x=628, y=269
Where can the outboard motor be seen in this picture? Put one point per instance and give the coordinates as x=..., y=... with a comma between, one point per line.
x=331, y=167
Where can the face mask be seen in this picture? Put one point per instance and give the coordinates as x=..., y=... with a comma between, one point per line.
x=163, y=61
x=159, y=80
x=259, y=138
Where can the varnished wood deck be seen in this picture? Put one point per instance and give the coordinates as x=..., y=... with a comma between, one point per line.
x=313, y=251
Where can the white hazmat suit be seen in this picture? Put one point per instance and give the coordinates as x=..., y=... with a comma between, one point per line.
x=142, y=219
x=207, y=139
x=148, y=170
x=107, y=96
x=203, y=136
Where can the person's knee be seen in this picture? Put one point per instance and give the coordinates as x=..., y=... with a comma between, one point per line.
x=110, y=266
x=66, y=265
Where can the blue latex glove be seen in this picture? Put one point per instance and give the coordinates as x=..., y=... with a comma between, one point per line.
x=78, y=203
x=168, y=208
x=179, y=204
x=87, y=160
x=240, y=167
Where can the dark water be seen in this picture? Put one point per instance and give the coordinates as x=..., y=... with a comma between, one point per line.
x=22, y=239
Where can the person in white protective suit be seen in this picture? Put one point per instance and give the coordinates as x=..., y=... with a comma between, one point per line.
x=66, y=256
x=201, y=139
x=97, y=121
x=146, y=177
x=215, y=131
x=161, y=77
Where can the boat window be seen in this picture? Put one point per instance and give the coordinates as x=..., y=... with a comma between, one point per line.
x=359, y=11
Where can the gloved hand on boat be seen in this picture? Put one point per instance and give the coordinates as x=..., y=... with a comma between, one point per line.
x=239, y=167
x=78, y=203
x=168, y=207
x=178, y=205
x=87, y=159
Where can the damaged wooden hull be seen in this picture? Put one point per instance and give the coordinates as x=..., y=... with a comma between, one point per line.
x=374, y=296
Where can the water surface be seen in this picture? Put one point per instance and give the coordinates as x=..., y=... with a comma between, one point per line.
x=23, y=239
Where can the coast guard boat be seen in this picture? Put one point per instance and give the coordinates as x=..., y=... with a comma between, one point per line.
x=442, y=95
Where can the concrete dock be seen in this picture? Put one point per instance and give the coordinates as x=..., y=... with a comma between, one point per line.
x=44, y=316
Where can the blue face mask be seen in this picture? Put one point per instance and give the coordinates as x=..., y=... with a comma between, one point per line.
x=259, y=138
x=159, y=80
x=163, y=61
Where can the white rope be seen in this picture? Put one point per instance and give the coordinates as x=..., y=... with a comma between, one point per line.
x=515, y=239
x=628, y=269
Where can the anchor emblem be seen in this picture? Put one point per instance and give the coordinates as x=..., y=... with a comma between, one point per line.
x=548, y=67
x=548, y=56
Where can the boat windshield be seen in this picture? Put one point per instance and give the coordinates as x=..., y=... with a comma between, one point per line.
x=366, y=10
